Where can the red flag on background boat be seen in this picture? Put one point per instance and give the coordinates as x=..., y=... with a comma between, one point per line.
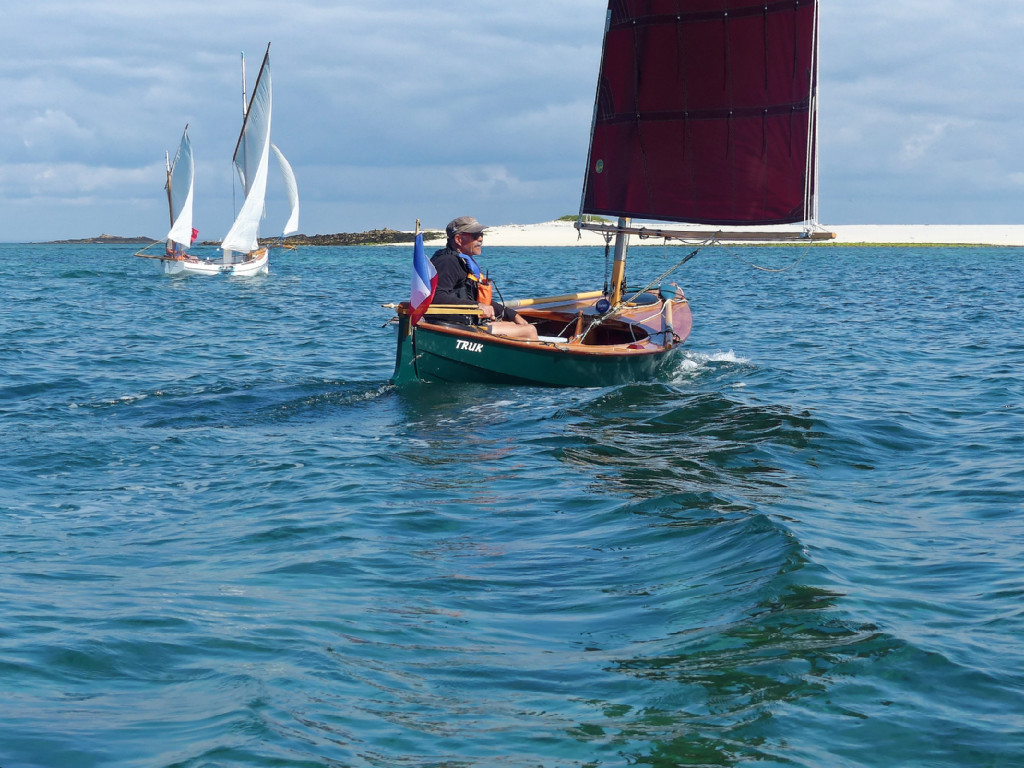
x=195, y=234
x=424, y=282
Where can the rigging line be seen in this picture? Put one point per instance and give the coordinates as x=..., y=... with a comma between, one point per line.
x=648, y=318
x=565, y=329
x=811, y=182
x=685, y=259
x=615, y=310
x=807, y=251
x=498, y=291
x=632, y=325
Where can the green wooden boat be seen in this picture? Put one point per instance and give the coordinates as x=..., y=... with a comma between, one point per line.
x=578, y=346
x=705, y=117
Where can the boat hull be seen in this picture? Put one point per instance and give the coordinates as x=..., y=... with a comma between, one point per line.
x=256, y=264
x=465, y=354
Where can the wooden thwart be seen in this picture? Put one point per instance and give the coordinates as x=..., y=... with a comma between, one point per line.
x=453, y=309
x=437, y=309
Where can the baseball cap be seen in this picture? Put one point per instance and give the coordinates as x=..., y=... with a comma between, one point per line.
x=464, y=224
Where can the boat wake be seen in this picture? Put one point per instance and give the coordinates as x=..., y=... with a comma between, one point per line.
x=695, y=364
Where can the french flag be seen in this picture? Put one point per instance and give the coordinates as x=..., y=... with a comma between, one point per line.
x=424, y=282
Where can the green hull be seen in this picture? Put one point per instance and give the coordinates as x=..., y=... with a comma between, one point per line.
x=433, y=353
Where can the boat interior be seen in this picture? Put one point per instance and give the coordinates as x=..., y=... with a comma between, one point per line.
x=578, y=328
x=579, y=323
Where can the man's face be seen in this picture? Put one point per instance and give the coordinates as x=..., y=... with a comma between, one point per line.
x=470, y=243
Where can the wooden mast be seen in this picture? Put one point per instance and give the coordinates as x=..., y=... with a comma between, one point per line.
x=170, y=201
x=619, y=264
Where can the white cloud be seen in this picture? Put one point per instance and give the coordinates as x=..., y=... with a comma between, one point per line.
x=69, y=181
x=404, y=109
x=52, y=126
x=918, y=145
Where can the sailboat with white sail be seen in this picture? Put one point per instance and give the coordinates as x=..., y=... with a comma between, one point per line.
x=242, y=252
x=705, y=117
x=180, y=186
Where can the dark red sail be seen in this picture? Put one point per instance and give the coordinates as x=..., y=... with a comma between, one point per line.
x=705, y=112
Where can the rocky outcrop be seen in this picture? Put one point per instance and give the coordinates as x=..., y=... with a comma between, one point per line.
x=373, y=237
x=105, y=240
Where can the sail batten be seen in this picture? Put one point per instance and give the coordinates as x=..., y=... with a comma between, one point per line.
x=705, y=112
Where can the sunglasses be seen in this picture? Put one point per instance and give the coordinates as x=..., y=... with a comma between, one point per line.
x=473, y=235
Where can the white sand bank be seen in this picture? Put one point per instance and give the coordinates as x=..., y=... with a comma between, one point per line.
x=563, y=233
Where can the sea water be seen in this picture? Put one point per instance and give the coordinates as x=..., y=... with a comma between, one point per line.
x=227, y=541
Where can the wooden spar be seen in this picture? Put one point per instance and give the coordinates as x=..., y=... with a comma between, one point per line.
x=707, y=234
x=245, y=101
x=170, y=200
x=167, y=162
x=246, y=105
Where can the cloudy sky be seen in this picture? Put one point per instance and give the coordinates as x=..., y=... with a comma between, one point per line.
x=393, y=110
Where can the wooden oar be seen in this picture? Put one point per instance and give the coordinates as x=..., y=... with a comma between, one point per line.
x=554, y=299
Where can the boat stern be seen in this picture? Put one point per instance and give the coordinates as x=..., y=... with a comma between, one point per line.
x=405, y=357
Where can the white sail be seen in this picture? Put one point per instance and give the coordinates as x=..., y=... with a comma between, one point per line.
x=292, y=189
x=180, y=184
x=252, y=158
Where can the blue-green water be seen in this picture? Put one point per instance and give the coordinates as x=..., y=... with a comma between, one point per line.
x=227, y=542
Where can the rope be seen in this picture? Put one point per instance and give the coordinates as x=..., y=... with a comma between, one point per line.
x=155, y=242
x=601, y=318
x=807, y=251
x=647, y=287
